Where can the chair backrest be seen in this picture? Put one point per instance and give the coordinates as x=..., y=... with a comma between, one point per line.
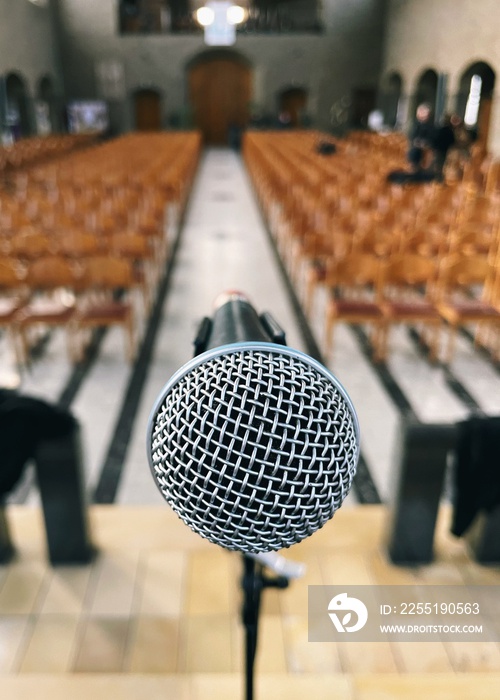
x=357, y=270
x=355, y=276
x=51, y=272
x=130, y=245
x=105, y=272
x=32, y=245
x=12, y=276
x=463, y=273
x=408, y=276
x=409, y=270
x=79, y=244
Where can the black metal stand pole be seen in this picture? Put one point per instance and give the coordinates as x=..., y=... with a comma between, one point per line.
x=253, y=583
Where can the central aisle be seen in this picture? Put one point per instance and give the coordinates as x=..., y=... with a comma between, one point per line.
x=224, y=245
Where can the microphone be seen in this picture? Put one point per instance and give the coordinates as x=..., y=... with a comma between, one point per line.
x=252, y=443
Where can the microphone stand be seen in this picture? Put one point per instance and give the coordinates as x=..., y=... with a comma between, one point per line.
x=237, y=321
x=254, y=582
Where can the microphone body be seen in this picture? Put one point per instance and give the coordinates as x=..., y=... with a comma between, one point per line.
x=236, y=321
x=252, y=443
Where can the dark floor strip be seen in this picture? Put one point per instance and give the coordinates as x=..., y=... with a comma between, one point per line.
x=452, y=381
x=363, y=485
x=109, y=480
x=81, y=370
x=395, y=392
x=37, y=350
x=310, y=343
x=482, y=351
x=461, y=392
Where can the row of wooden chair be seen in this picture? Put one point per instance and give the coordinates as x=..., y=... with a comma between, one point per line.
x=54, y=291
x=85, y=270
x=415, y=291
x=143, y=251
x=354, y=232
x=27, y=151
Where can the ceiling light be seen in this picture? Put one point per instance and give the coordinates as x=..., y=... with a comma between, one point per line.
x=205, y=16
x=236, y=14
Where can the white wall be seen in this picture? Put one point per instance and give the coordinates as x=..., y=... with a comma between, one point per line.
x=28, y=42
x=448, y=36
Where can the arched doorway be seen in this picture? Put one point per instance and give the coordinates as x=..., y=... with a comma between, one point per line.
x=426, y=90
x=147, y=109
x=390, y=99
x=220, y=93
x=293, y=101
x=18, y=118
x=475, y=98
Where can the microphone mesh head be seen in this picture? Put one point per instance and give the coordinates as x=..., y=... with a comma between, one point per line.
x=254, y=446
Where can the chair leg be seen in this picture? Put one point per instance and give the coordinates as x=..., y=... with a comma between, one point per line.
x=496, y=345
x=483, y=335
x=378, y=342
x=71, y=344
x=451, y=343
x=130, y=341
x=433, y=343
x=16, y=344
x=310, y=289
x=24, y=347
x=329, y=324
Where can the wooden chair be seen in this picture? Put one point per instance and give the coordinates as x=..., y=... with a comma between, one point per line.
x=152, y=227
x=354, y=284
x=106, y=302
x=53, y=282
x=407, y=296
x=468, y=293
x=493, y=178
x=417, y=241
x=468, y=240
x=14, y=295
x=138, y=250
x=78, y=244
x=30, y=245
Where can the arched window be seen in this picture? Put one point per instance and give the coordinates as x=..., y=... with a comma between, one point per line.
x=18, y=109
x=425, y=90
x=390, y=100
x=475, y=97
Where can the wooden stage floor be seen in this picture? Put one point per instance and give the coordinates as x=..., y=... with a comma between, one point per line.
x=156, y=615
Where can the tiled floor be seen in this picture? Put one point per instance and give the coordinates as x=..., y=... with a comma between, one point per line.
x=159, y=605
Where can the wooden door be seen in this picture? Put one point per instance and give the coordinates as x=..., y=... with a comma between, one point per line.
x=293, y=101
x=363, y=102
x=147, y=110
x=219, y=91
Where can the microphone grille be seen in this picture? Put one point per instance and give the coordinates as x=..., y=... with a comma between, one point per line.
x=254, y=446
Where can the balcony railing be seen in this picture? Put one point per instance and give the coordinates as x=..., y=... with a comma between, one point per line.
x=270, y=20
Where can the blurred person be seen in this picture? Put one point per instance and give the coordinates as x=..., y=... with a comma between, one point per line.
x=421, y=137
x=444, y=140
